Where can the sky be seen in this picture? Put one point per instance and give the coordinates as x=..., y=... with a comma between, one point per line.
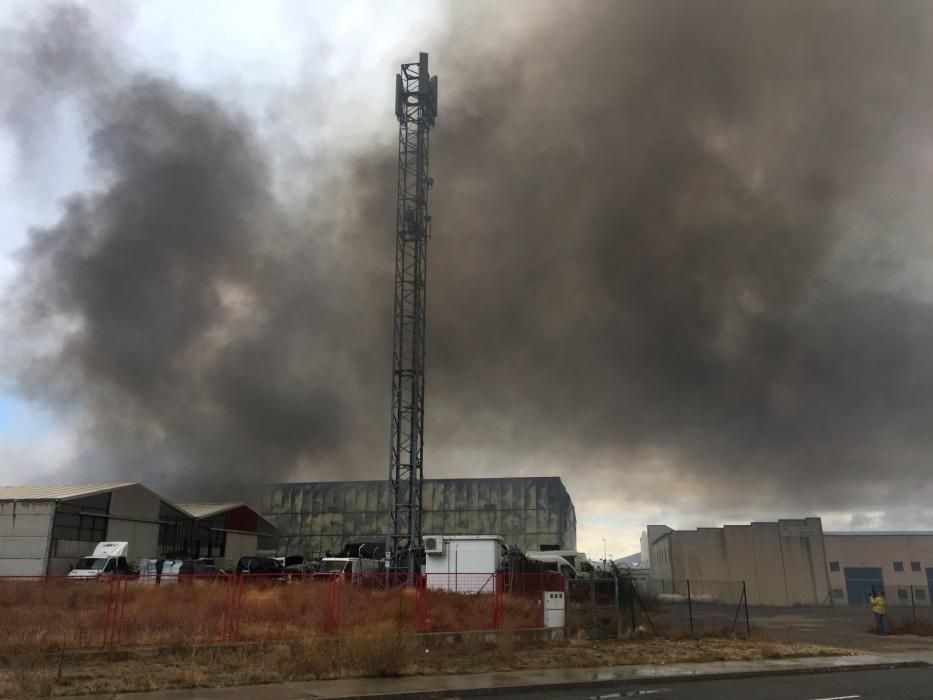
x=680, y=254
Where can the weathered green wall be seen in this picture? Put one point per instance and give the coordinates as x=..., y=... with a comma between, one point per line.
x=317, y=517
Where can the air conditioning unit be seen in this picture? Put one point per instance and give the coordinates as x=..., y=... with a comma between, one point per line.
x=434, y=545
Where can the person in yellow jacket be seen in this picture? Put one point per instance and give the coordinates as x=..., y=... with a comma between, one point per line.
x=879, y=606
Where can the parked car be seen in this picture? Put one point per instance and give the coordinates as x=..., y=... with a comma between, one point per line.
x=259, y=565
x=201, y=567
x=291, y=560
x=302, y=570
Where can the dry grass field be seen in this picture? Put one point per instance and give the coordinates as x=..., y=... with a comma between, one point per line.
x=290, y=635
x=56, y=614
x=356, y=655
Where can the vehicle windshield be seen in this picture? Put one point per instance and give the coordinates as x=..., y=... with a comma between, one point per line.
x=91, y=563
x=334, y=567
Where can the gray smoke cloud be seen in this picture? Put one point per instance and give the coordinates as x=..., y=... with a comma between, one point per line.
x=678, y=231
x=208, y=335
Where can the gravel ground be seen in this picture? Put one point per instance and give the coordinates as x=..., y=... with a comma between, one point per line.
x=840, y=626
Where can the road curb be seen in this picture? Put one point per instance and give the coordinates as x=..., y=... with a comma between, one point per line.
x=606, y=683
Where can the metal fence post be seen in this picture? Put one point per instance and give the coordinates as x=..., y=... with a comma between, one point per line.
x=239, y=606
x=421, y=604
x=619, y=612
x=631, y=601
x=593, y=607
x=122, y=610
x=497, y=603
x=748, y=627
x=107, y=619
x=913, y=605
x=227, y=633
x=690, y=609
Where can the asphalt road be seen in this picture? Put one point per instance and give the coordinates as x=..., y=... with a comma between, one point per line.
x=894, y=684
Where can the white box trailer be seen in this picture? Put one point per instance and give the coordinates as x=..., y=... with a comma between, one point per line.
x=463, y=563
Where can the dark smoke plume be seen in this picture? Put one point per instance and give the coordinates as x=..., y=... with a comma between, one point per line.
x=207, y=343
x=665, y=232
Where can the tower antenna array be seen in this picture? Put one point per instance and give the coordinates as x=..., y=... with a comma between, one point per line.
x=416, y=109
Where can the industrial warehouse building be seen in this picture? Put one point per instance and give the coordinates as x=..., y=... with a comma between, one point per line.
x=791, y=562
x=46, y=529
x=535, y=513
x=227, y=531
x=899, y=563
x=782, y=563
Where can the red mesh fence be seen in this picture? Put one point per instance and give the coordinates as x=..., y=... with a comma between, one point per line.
x=50, y=613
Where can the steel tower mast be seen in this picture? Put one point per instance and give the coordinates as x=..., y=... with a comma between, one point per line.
x=416, y=109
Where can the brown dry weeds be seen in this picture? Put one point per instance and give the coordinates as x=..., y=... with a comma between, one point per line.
x=48, y=616
x=358, y=656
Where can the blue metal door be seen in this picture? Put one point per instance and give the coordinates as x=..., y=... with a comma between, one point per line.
x=860, y=581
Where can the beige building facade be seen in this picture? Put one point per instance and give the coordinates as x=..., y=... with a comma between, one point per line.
x=790, y=562
x=779, y=563
x=899, y=563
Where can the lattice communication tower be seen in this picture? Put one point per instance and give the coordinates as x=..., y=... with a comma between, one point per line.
x=416, y=109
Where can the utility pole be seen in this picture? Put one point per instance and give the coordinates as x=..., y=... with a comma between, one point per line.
x=416, y=109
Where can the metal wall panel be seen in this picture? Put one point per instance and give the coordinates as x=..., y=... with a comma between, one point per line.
x=314, y=518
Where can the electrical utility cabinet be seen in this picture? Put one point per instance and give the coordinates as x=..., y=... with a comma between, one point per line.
x=462, y=563
x=553, y=608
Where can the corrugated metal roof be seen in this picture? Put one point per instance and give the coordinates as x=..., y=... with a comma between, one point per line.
x=206, y=510
x=59, y=492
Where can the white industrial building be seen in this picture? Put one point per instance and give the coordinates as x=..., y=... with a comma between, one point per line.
x=46, y=529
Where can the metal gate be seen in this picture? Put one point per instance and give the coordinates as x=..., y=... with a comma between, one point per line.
x=860, y=582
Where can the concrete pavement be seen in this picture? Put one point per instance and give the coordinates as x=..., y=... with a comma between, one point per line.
x=893, y=684
x=544, y=680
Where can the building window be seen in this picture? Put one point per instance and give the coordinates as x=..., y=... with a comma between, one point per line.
x=902, y=594
x=920, y=594
x=838, y=594
x=834, y=566
x=71, y=523
x=898, y=566
x=915, y=566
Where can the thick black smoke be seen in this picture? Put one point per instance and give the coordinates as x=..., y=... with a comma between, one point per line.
x=643, y=214
x=663, y=231
x=210, y=340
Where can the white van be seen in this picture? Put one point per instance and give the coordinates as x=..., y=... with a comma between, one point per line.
x=570, y=564
x=107, y=559
x=354, y=567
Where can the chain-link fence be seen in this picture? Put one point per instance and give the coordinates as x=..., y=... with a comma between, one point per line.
x=594, y=607
x=909, y=609
x=698, y=607
x=610, y=607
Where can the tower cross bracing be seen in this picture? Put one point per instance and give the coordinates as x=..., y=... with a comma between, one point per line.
x=416, y=109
